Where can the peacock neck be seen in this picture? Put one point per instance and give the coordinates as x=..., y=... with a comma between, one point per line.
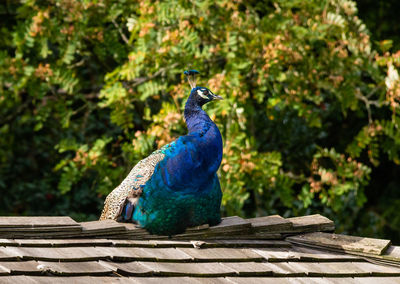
x=210, y=142
x=196, y=118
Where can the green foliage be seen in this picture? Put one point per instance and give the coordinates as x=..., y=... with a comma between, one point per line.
x=88, y=88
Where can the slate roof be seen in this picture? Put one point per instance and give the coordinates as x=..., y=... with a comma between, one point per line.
x=268, y=249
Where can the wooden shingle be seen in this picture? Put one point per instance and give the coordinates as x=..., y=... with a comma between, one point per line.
x=311, y=223
x=62, y=253
x=392, y=253
x=100, y=228
x=148, y=254
x=190, y=269
x=178, y=280
x=134, y=268
x=342, y=242
x=35, y=222
x=222, y=254
x=62, y=242
x=249, y=268
x=236, y=251
x=88, y=268
x=21, y=267
x=248, y=243
x=274, y=223
x=9, y=254
x=313, y=255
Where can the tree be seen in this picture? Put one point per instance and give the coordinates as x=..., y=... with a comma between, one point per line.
x=91, y=87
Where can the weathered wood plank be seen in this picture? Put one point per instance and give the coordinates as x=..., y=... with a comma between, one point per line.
x=278, y=255
x=378, y=270
x=62, y=242
x=377, y=280
x=8, y=242
x=274, y=223
x=229, y=224
x=134, y=268
x=179, y=280
x=233, y=235
x=21, y=267
x=249, y=268
x=21, y=279
x=342, y=242
x=331, y=269
x=43, y=221
x=222, y=254
x=248, y=243
x=36, y=230
x=337, y=269
x=304, y=254
x=392, y=253
x=288, y=280
x=190, y=269
x=89, y=268
x=314, y=255
x=134, y=243
x=311, y=223
x=62, y=253
x=147, y=254
x=75, y=280
x=4, y=271
x=197, y=228
x=285, y=269
x=234, y=243
x=102, y=227
x=339, y=280
x=9, y=254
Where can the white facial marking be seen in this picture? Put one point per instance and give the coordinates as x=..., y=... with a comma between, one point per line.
x=201, y=94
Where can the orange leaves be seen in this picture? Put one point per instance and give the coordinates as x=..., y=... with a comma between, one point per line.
x=215, y=83
x=43, y=71
x=333, y=175
x=246, y=163
x=164, y=123
x=146, y=8
x=73, y=10
x=145, y=29
x=172, y=36
x=36, y=26
x=183, y=25
x=68, y=30
x=278, y=50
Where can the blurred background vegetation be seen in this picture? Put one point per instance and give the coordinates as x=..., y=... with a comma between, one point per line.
x=310, y=117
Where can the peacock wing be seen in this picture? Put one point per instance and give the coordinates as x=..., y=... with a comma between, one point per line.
x=130, y=187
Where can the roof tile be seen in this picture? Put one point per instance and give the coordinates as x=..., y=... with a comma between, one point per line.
x=148, y=254
x=235, y=251
x=222, y=254
x=35, y=222
x=342, y=242
x=190, y=269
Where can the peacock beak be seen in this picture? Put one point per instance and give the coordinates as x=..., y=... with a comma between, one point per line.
x=216, y=97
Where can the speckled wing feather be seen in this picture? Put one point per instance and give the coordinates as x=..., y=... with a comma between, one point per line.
x=130, y=187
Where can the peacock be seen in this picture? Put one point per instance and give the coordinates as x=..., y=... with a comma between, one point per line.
x=177, y=186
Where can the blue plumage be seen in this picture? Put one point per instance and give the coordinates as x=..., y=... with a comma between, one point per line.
x=182, y=189
x=191, y=72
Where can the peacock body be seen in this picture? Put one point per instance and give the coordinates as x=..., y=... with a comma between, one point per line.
x=176, y=186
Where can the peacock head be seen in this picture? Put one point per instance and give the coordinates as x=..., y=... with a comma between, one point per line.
x=203, y=95
x=200, y=95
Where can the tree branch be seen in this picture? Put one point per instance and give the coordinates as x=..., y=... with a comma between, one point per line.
x=138, y=81
x=368, y=102
x=124, y=38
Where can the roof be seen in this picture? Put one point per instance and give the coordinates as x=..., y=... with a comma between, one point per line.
x=259, y=250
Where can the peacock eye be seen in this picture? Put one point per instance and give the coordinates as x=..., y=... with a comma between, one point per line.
x=202, y=94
